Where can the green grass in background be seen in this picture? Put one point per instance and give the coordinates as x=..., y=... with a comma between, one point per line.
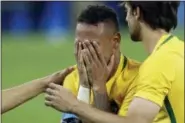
x=31, y=57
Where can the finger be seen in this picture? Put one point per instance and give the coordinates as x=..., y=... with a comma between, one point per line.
x=58, y=77
x=79, y=55
x=48, y=103
x=50, y=91
x=85, y=67
x=66, y=72
x=98, y=51
x=70, y=69
x=79, y=49
x=76, y=49
x=49, y=97
x=81, y=63
x=54, y=86
x=92, y=51
x=86, y=49
x=86, y=59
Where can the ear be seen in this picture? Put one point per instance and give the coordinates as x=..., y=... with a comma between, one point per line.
x=116, y=40
x=137, y=13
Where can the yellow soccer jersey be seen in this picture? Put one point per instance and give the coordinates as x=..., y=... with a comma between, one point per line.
x=124, y=89
x=161, y=77
x=120, y=88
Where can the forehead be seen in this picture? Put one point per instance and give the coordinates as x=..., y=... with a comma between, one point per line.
x=97, y=32
x=90, y=32
x=90, y=29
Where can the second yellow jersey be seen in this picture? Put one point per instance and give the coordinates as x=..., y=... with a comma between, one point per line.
x=120, y=88
x=161, y=77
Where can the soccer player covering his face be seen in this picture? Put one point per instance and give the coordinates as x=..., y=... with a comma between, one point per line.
x=99, y=26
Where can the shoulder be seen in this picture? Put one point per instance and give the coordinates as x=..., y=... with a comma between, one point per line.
x=132, y=65
x=131, y=69
x=160, y=64
x=130, y=73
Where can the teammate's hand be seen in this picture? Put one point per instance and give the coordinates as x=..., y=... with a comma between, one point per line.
x=97, y=68
x=57, y=77
x=79, y=53
x=59, y=98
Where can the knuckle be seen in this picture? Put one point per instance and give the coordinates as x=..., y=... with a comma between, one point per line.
x=47, y=90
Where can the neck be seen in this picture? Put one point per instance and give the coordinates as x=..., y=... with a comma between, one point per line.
x=150, y=38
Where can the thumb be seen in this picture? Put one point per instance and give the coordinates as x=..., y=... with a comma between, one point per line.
x=62, y=75
x=54, y=86
x=66, y=72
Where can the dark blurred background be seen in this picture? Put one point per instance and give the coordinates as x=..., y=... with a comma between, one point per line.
x=54, y=18
x=37, y=39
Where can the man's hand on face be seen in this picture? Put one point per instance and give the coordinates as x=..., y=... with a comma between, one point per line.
x=97, y=69
x=79, y=53
x=59, y=98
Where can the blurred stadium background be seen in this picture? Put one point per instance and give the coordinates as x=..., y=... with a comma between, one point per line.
x=37, y=39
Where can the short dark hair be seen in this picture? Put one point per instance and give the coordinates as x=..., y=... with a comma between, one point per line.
x=94, y=14
x=158, y=14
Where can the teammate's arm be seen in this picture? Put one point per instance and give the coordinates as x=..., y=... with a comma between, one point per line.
x=15, y=96
x=140, y=110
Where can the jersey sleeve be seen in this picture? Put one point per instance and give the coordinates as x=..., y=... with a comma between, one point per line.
x=71, y=82
x=155, y=79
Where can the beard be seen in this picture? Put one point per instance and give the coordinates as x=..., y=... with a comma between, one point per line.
x=135, y=33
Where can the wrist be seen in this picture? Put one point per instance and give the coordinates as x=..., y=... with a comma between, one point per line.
x=84, y=94
x=75, y=107
x=99, y=88
x=85, y=85
x=42, y=83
